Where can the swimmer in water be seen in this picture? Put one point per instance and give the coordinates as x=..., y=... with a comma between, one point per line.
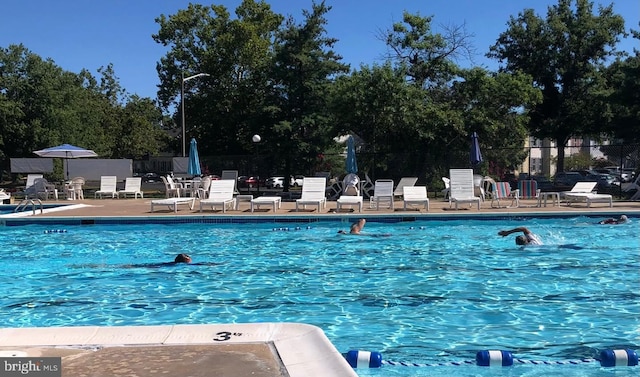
x=355, y=227
x=621, y=220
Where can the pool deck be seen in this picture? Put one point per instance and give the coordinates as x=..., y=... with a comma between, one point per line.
x=258, y=350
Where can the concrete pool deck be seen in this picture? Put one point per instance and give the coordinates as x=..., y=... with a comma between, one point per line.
x=260, y=349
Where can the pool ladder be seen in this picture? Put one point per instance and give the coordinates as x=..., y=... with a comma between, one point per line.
x=25, y=202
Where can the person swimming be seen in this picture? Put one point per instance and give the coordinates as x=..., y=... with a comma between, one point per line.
x=355, y=227
x=182, y=258
x=621, y=220
x=526, y=238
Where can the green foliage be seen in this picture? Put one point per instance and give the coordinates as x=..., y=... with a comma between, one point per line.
x=578, y=161
x=41, y=106
x=624, y=79
x=564, y=53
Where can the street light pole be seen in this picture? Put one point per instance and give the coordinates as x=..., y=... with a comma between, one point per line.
x=184, y=128
x=256, y=140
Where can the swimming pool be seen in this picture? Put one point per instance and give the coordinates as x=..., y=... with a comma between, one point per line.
x=431, y=292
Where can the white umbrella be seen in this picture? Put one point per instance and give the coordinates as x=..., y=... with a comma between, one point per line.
x=66, y=151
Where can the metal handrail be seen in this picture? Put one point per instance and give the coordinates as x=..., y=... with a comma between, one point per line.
x=23, y=204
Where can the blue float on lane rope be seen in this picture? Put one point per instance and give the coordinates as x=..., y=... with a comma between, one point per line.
x=618, y=358
x=494, y=358
x=364, y=359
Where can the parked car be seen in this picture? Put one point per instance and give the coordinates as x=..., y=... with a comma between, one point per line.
x=544, y=184
x=566, y=180
x=250, y=182
x=151, y=177
x=278, y=182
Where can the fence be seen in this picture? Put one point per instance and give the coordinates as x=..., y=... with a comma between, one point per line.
x=428, y=167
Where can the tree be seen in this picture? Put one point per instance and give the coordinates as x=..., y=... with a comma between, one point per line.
x=564, y=53
x=227, y=107
x=303, y=71
x=429, y=58
x=41, y=105
x=624, y=79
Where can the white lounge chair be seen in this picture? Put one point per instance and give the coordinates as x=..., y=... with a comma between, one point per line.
x=313, y=193
x=108, y=186
x=382, y=192
x=351, y=194
x=462, y=188
x=582, y=187
x=132, y=187
x=173, y=203
x=404, y=182
x=415, y=195
x=220, y=194
x=583, y=192
x=231, y=174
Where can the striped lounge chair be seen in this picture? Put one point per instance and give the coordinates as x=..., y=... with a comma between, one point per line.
x=528, y=189
x=502, y=190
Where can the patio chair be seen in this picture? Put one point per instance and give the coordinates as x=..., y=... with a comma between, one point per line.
x=313, y=193
x=502, y=190
x=527, y=190
x=447, y=187
x=462, y=187
x=74, y=189
x=172, y=190
x=203, y=190
x=415, y=196
x=132, y=187
x=31, y=179
x=382, y=192
x=41, y=189
x=220, y=194
x=108, y=186
x=351, y=185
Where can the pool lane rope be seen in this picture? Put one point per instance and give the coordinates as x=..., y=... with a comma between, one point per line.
x=492, y=358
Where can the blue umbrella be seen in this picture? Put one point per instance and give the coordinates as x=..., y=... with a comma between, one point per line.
x=352, y=164
x=475, y=156
x=194, y=160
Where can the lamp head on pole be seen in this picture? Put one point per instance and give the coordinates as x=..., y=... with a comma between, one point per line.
x=256, y=138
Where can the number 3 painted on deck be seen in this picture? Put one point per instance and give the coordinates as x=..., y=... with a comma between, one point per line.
x=222, y=336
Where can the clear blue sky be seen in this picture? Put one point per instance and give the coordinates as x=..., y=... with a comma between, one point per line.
x=78, y=34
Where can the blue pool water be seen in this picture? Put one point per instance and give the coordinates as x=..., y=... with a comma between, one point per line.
x=431, y=292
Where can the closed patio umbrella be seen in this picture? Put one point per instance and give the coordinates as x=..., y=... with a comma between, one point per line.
x=194, y=160
x=66, y=151
x=351, y=182
x=351, y=162
x=475, y=154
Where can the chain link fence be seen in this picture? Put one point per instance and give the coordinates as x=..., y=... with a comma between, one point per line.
x=539, y=161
